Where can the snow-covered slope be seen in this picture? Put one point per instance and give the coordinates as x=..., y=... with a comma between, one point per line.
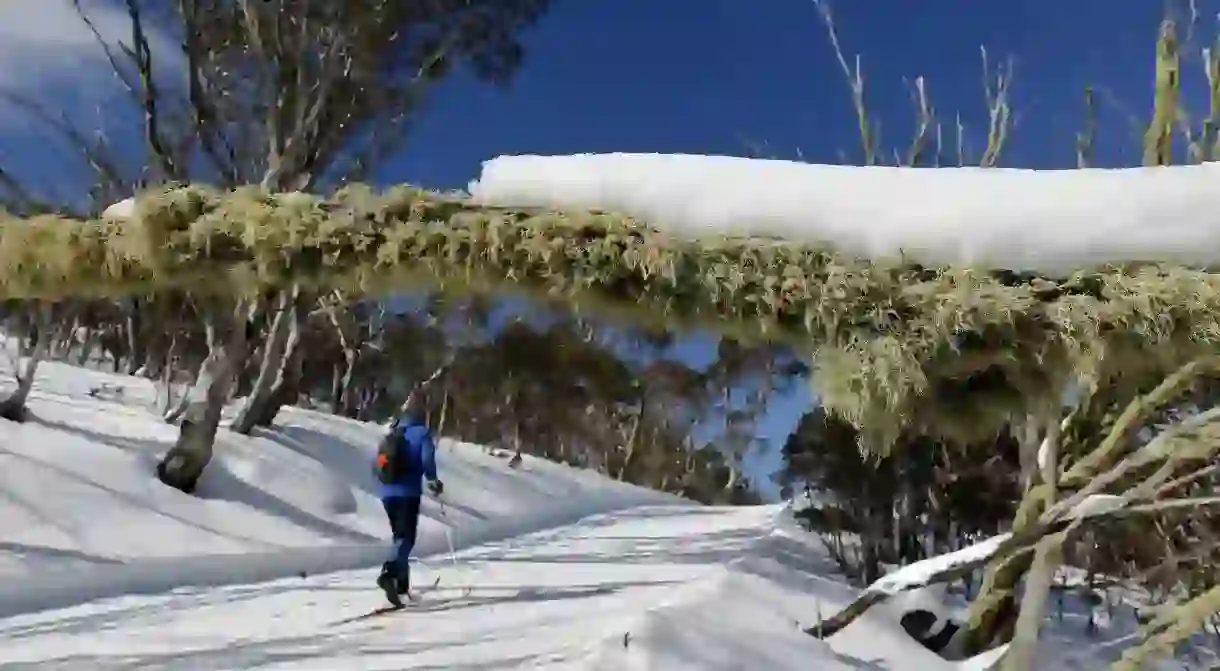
x=666, y=588
x=1048, y=220
x=101, y=567
x=82, y=515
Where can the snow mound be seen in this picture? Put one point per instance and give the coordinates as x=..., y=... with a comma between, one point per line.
x=82, y=515
x=1046, y=220
x=753, y=611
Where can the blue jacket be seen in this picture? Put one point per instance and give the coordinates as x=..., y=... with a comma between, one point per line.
x=417, y=447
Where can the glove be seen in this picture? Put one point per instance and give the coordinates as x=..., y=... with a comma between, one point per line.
x=436, y=487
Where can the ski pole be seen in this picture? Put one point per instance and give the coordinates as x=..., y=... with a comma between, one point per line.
x=452, y=551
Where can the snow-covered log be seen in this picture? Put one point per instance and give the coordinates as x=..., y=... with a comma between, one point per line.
x=1047, y=221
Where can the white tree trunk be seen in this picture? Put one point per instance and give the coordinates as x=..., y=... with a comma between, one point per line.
x=173, y=415
x=269, y=368
x=13, y=407
x=1047, y=557
x=131, y=331
x=88, y=346
x=184, y=463
x=286, y=388
x=167, y=378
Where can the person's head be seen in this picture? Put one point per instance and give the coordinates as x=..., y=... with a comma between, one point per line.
x=413, y=411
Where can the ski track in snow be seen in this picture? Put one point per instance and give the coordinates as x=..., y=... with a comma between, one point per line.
x=530, y=606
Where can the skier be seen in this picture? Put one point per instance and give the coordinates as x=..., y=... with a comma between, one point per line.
x=406, y=456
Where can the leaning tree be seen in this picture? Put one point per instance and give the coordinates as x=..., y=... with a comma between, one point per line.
x=287, y=94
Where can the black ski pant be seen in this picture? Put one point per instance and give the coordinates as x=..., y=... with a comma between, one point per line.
x=403, y=512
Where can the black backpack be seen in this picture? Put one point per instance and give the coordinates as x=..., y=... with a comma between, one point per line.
x=392, y=462
x=388, y=452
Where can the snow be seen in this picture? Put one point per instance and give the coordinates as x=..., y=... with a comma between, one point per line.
x=919, y=573
x=82, y=517
x=1098, y=504
x=102, y=567
x=1046, y=450
x=123, y=209
x=1046, y=220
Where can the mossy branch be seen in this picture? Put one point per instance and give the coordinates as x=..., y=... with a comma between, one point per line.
x=950, y=352
x=1169, y=628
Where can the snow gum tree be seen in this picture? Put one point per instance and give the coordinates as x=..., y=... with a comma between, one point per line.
x=290, y=95
x=1086, y=445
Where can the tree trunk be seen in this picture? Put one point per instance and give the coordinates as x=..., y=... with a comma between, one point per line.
x=347, y=384
x=88, y=346
x=993, y=613
x=342, y=387
x=1047, y=557
x=167, y=376
x=730, y=485
x=156, y=349
x=132, y=332
x=66, y=337
x=286, y=390
x=275, y=350
x=227, y=347
x=633, y=440
x=440, y=423
x=336, y=388
x=13, y=407
x=172, y=416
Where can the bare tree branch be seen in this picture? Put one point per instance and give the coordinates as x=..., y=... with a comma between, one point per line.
x=141, y=54
x=999, y=112
x=98, y=155
x=19, y=198
x=131, y=87
x=869, y=133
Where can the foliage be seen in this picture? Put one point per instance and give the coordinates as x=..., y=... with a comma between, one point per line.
x=923, y=500
x=547, y=387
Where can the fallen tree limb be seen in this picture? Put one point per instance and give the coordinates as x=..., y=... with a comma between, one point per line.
x=959, y=564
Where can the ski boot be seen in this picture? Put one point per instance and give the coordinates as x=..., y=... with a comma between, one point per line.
x=391, y=587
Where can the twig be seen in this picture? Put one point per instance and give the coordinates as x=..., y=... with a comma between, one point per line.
x=869, y=131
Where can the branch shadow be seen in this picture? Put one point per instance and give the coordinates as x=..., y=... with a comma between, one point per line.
x=714, y=548
x=136, y=501
x=231, y=655
x=342, y=456
x=217, y=482
x=148, y=450
x=220, y=484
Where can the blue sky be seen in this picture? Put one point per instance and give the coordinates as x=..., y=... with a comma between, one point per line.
x=719, y=76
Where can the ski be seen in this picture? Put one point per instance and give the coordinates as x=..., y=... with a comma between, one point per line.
x=413, y=601
x=414, y=595
x=412, y=604
x=384, y=610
